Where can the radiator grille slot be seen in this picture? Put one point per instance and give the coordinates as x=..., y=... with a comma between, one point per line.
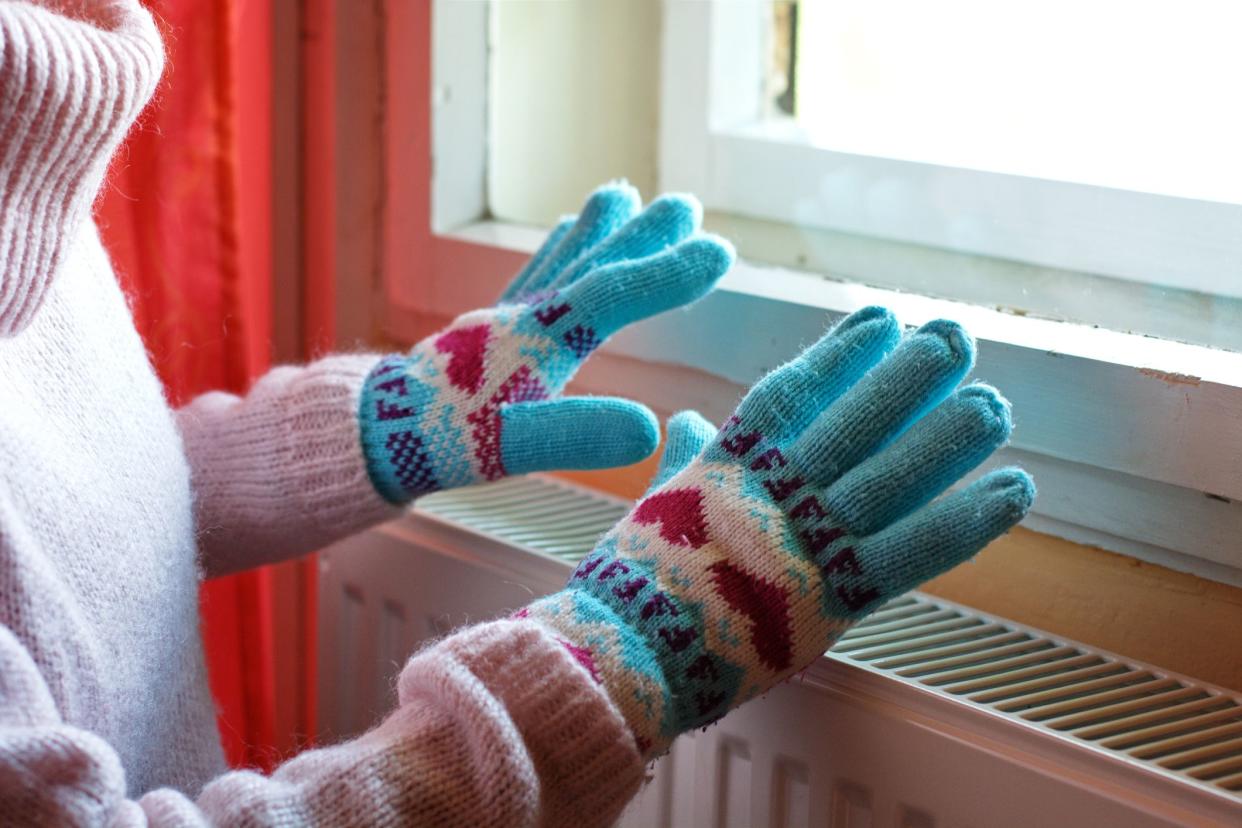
x=541, y=515
x=1175, y=725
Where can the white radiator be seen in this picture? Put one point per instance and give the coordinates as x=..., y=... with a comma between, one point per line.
x=926, y=714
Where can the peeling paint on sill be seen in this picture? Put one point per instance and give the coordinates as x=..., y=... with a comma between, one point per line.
x=1170, y=377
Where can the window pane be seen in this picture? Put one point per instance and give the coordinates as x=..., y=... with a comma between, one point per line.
x=1116, y=93
x=1133, y=96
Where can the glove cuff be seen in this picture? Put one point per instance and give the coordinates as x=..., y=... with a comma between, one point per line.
x=406, y=455
x=617, y=657
x=532, y=679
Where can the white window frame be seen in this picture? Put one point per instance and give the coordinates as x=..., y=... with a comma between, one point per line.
x=717, y=146
x=1135, y=442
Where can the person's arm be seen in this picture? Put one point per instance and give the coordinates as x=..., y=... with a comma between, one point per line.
x=280, y=471
x=496, y=725
x=759, y=545
x=313, y=454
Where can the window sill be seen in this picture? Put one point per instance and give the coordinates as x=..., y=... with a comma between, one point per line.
x=1016, y=288
x=1136, y=442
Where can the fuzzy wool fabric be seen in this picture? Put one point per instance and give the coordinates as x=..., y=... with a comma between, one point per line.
x=762, y=542
x=481, y=399
x=112, y=506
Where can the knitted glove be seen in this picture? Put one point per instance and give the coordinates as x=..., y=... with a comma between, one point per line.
x=476, y=401
x=760, y=544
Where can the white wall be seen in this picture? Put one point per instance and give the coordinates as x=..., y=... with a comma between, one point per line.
x=598, y=71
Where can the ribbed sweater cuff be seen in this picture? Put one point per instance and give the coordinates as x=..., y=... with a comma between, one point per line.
x=322, y=449
x=583, y=753
x=280, y=472
x=69, y=90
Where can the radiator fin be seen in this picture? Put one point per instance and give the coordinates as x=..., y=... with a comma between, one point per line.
x=541, y=515
x=1180, y=727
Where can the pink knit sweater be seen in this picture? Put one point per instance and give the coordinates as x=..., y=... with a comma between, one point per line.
x=112, y=507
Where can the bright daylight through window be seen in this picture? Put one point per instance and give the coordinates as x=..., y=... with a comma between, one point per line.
x=1057, y=177
x=1133, y=96
x=1108, y=151
x=1074, y=161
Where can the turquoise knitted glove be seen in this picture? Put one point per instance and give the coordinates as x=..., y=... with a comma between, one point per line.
x=476, y=401
x=760, y=544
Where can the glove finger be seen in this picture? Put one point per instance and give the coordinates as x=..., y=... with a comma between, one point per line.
x=576, y=433
x=597, y=306
x=607, y=209
x=519, y=287
x=917, y=376
x=916, y=549
x=788, y=399
x=935, y=453
x=665, y=222
x=688, y=433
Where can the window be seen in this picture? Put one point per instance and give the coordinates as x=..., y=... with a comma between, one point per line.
x=926, y=156
x=1129, y=96
x=1043, y=138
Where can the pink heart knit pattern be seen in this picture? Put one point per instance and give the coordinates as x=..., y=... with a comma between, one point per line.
x=761, y=542
x=481, y=399
x=708, y=599
x=432, y=419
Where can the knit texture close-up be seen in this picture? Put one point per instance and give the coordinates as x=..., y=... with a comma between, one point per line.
x=763, y=542
x=480, y=399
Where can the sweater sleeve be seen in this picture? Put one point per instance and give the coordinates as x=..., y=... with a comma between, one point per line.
x=280, y=472
x=498, y=724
